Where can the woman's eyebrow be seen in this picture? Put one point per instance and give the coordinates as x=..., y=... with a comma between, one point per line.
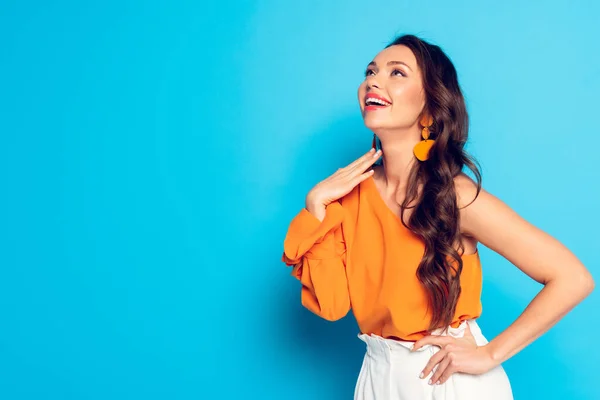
x=372, y=63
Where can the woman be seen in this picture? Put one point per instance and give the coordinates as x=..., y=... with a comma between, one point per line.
x=396, y=242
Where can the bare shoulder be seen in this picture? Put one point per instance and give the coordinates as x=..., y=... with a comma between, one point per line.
x=466, y=194
x=466, y=190
x=476, y=207
x=473, y=204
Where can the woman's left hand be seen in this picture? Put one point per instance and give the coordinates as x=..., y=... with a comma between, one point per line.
x=456, y=355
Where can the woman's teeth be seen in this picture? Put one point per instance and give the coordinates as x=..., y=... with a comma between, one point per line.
x=376, y=102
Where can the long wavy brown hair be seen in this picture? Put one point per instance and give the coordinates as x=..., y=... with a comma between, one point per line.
x=436, y=216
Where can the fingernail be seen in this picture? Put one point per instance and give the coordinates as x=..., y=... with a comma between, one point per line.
x=421, y=375
x=437, y=383
x=430, y=382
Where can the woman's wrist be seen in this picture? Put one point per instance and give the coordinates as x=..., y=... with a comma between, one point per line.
x=315, y=206
x=491, y=354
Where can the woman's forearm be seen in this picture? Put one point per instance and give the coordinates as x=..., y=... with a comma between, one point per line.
x=552, y=303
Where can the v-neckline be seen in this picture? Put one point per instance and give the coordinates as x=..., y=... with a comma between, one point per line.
x=376, y=196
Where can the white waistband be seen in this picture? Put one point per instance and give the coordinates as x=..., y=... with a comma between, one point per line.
x=379, y=342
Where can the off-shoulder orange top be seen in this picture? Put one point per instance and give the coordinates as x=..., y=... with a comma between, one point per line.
x=361, y=257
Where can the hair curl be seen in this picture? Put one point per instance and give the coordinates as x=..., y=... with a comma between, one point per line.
x=436, y=217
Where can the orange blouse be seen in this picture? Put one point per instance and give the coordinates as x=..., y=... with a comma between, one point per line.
x=361, y=257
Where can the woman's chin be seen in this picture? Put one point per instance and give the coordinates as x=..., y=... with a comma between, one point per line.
x=376, y=118
x=373, y=124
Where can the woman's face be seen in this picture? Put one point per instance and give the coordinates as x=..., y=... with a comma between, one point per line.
x=394, y=77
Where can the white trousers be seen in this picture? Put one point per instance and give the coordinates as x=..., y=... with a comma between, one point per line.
x=390, y=371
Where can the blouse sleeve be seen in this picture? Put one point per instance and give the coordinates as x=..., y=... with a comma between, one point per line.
x=317, y=252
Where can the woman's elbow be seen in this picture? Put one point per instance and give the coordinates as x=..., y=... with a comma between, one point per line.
x=587, y=284
x=580, y=284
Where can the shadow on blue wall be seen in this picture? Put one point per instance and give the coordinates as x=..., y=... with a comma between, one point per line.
x=333, y=347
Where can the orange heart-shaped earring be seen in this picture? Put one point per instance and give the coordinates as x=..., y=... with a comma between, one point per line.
x=421, y=149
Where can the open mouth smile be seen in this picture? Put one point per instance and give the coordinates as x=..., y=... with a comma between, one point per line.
x=376, y=102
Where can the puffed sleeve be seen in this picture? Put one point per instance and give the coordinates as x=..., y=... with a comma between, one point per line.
x=317, y=252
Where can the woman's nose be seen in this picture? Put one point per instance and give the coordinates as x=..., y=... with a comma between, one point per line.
x=372, y=83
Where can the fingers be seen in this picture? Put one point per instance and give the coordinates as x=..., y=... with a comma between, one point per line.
x=358, y=179
x=444, y=370
x=449, y=359
x=359, y=159
x=362, y=162
x=365, y=163
x=436, y=358
x=447, y=364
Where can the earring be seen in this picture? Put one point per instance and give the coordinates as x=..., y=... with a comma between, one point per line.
x=421, y=149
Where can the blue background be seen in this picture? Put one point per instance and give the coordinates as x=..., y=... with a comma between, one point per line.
x=153, y=153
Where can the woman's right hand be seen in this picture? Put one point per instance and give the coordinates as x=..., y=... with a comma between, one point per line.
x=340, y=183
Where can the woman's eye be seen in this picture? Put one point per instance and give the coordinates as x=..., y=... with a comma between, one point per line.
x=371, y=71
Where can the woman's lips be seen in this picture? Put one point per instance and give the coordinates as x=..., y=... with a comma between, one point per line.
x=374, y=101
x=372, y=107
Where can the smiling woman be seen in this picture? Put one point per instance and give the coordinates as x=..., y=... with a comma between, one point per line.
x=396, y=243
